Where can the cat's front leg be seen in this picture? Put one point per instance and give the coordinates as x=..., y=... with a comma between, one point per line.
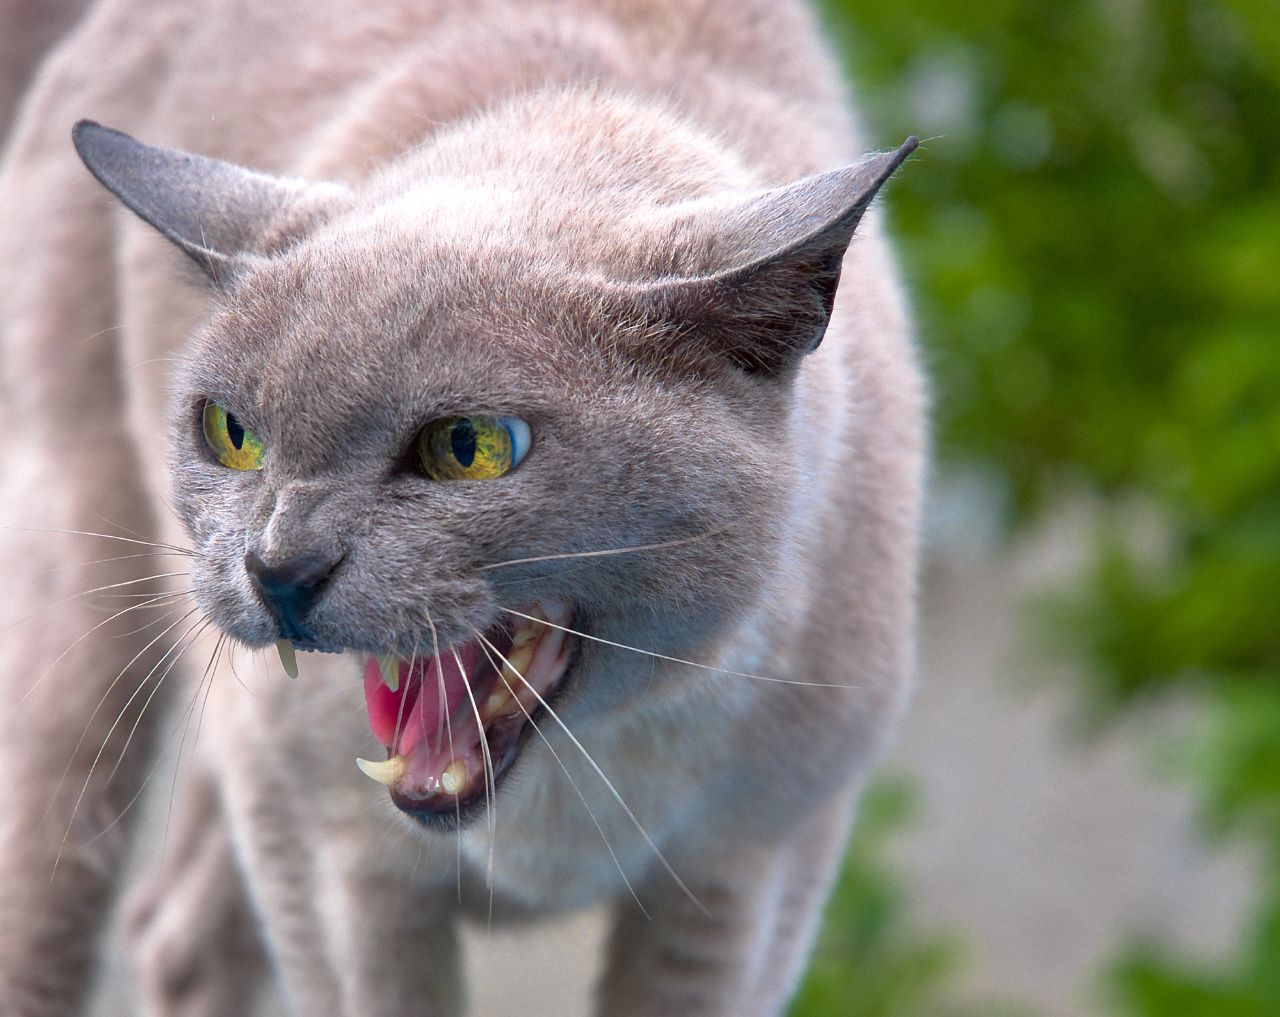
x=357, y=910
x=192, y=940
x=350, y=938
x=397, y=944
x=737, y=951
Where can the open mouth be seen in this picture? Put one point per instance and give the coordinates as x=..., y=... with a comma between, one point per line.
x=453, y=722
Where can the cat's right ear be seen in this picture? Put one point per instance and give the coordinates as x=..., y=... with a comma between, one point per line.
x=215, y=212
x=770, y=263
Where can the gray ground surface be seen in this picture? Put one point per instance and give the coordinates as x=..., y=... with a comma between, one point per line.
x=1044, y=851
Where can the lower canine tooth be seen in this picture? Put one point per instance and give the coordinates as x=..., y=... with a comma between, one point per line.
x=387, y=772
x=454, y=777
x=287, y=657
x=390, y=668
x=499, y=699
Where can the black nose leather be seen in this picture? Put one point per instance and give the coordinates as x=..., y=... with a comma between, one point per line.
x=290, y=587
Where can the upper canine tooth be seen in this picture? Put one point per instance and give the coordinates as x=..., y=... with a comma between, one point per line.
x=527, y=633
x=386, y=772
x=288, y=659
x=389, y=665
x=517, y=664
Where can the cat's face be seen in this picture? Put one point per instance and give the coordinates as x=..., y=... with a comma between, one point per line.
x=339, y=354
x=652, y=421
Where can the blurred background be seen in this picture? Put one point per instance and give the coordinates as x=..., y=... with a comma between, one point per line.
x=1083, y=812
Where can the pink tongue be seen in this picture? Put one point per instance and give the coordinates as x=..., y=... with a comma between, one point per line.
x=419, y=692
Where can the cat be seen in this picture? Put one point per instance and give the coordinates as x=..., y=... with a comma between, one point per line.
x=505, y=371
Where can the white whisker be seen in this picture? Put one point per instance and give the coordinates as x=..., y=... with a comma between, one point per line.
x=395, y=738
x=231, y=661
x=102, y=331
x=448, y=725
x=155, y=765
x=198, y=632
x=680, y=660
x=209, y=671
x=110, y=731
x=143, y=596
x=85, y=593
x=106, y=536
x=173, y=605
x=107, y=621
x=120, y=526
x=572, y=783
x=133, y=582
x=614, y=791
x=119, y=557
x=84, y=733
x=490, y=785
x=604, y=552
x=101, y=701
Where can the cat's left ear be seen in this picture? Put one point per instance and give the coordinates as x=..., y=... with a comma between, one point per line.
x=217, y=213
x=781, y=252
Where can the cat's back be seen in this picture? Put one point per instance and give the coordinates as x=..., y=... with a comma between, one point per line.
x=269, y=84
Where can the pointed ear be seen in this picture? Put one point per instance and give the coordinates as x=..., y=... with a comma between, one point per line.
x=216, y=212
x=781, y=252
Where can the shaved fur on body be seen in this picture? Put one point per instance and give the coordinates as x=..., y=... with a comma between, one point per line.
x=533, y=379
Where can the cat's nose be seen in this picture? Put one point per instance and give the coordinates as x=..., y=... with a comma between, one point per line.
x=290, y=587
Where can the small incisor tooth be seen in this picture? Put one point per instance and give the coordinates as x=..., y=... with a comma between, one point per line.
x=386, y=772
x=454, y=777
x=389, y=665
x=288, y=659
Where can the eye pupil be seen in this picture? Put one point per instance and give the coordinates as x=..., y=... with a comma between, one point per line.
x=235, y=432
x=462, y=442
x=479, y=447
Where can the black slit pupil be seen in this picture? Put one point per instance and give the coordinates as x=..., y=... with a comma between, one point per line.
x=462, y=442
x=235, y=432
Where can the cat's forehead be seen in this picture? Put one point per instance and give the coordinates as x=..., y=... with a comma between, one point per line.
x=378, y=332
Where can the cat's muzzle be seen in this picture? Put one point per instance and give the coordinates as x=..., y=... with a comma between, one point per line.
x=453, y=723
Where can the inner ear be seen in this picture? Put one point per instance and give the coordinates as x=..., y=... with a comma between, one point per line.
x=769, y=300
x=216, y=212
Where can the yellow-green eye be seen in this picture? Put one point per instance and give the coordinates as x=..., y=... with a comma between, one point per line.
x=232, y=443
x=472, y=448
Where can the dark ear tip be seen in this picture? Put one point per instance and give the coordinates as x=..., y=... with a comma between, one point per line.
x=88, y=136
x=903, y=152
x=82, y=130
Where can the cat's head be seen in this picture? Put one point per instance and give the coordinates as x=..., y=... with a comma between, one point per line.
x=440, y=419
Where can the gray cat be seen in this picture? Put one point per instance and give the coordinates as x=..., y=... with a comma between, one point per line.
x=515, y=371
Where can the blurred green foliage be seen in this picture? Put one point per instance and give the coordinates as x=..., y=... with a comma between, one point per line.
x=870, y=962
x=1091, y=233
